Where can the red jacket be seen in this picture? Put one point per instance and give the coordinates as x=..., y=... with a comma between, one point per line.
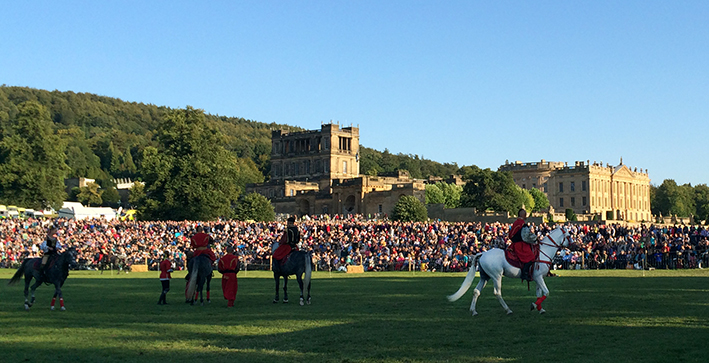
x=229, y=267
x=524, y=251
x=200, y=245
x=165, y=267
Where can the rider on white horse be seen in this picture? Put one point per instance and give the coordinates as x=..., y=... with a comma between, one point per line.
x=523, y=240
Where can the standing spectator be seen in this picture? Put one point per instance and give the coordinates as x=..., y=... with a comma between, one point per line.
x=229, y=266
x=165, y=275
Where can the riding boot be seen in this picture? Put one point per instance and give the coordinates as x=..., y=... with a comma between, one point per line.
x=525, y=271
x=43, y=272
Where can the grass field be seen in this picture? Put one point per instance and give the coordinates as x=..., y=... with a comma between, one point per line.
x=592, y=316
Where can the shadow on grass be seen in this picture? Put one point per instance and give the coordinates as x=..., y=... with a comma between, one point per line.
x=361, y=319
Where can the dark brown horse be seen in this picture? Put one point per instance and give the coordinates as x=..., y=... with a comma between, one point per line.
x=56, y=274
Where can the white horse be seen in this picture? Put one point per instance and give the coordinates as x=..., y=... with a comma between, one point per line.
x=493, y=265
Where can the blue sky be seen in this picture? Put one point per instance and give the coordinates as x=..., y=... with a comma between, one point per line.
x=469, y=82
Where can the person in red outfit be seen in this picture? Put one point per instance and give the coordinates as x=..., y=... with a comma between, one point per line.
x=523, y=240
x=289, y=241
x=229, y=266
x=200, y=244
x=165, y=276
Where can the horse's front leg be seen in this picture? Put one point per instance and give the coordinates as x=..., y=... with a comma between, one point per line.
x=285, y=289
x=278, y=282
x=58, y=293
x=542, y=292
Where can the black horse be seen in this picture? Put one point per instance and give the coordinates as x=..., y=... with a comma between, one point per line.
x=56, y=274
x=297, y=263
x=200, y=271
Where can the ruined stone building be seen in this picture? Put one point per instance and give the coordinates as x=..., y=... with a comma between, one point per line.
x=317, y=172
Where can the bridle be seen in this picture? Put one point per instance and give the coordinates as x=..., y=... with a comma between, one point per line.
x=554, y=244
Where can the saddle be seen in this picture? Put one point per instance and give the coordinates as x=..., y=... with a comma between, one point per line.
x=513, y=259
x=50, y=262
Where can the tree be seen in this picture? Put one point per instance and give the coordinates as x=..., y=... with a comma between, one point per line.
x=90, y=195
x=254, y=206
x=409, y=209
x=673, y=199
x=451, y=194
x=527, y=199
x=110, y=197
x=487, y=189
x=32, y=160
x=570, y=215
x=434, y=195
x=136, y=195
x=541, y=202
x=701, y=193
x=190, y=175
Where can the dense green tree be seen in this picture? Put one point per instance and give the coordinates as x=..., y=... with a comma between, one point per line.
x=409, y=209
x=527, y=200
x=90, y=195
x=434, y=195
x=541, y=202
x=486, y=189
x=136, y=195
x=254, y=206
x=451, y=194
x=110, y=197
x=673, y=199
x=190, y=176
x=570, y=215
x=32, y=160
x=701, y=193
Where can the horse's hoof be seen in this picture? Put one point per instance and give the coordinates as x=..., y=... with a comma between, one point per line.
x=285, y=301
x=62, y=308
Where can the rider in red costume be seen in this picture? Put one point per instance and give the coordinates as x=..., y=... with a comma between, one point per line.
x=523, y=241
x=200, y=244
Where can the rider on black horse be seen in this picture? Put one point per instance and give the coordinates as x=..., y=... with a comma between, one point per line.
x=49, y=248
x=289, y=242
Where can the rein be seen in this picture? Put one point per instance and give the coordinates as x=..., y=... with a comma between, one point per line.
x=553, y=244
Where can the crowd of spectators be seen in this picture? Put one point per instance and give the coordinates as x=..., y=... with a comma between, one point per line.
x=375, y=244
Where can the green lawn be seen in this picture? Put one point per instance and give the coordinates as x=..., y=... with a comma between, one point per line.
x=592, y=316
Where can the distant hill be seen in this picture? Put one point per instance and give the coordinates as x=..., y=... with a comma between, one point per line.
x=106, y=136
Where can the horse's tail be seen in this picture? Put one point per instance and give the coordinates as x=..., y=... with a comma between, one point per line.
x=468, y=280
x=192, y=285
x=308, y=269
x=18, y=275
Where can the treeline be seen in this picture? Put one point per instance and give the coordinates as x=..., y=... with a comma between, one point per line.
x=685, y=200
x=104, y=138
x=373, y=162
